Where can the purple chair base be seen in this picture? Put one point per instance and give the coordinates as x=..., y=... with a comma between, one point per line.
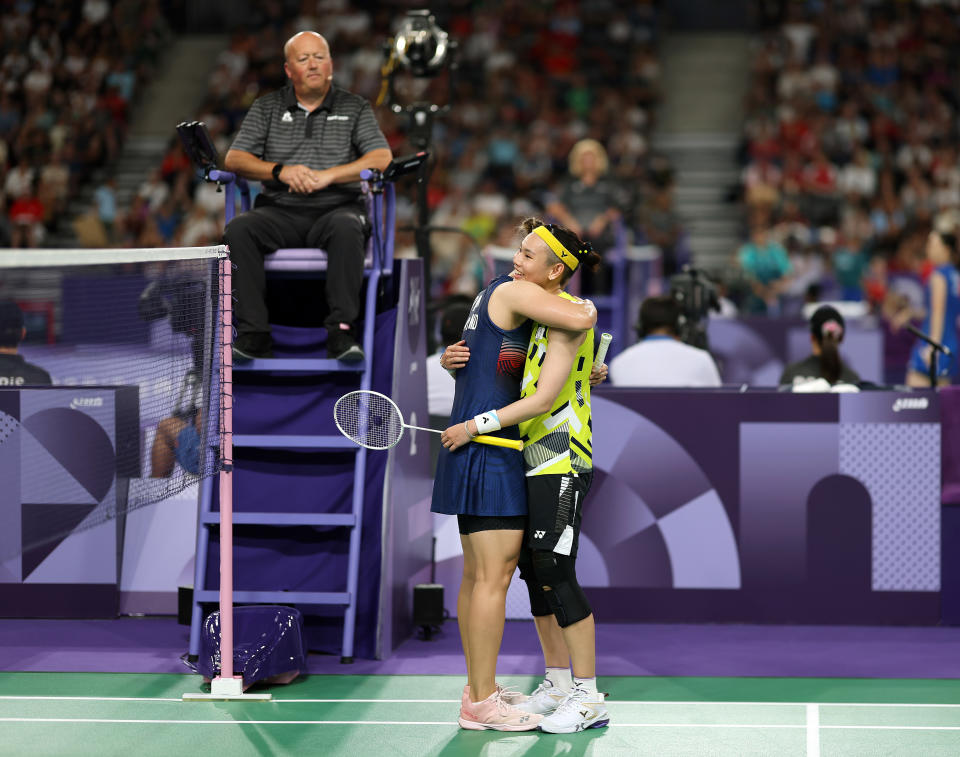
x=268, y=645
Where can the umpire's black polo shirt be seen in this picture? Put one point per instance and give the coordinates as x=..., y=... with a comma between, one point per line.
x=280, y=130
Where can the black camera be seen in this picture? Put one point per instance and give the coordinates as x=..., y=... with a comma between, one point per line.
x=421, y=45
x=697, y=296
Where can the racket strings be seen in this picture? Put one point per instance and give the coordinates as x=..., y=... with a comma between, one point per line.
x=369, y=419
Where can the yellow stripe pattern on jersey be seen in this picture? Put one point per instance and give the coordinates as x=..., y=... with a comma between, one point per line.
x=560, y=441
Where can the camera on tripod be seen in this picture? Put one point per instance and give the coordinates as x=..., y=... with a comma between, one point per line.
x=697, y=296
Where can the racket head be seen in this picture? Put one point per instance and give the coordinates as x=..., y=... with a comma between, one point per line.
x=369, y=419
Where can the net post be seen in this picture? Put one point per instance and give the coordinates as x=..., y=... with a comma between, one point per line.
x=226, y=686
x=226, y=477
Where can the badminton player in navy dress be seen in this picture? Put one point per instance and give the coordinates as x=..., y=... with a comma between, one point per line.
x=942, y=300
x=484, y=486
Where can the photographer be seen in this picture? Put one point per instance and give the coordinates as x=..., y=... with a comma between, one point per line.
x=14, y=370
x=661, y=359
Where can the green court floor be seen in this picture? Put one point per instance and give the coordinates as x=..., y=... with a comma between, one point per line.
x=124, y=714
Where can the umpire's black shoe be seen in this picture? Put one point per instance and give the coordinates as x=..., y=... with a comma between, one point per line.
x=251, y=346
x=342, y=346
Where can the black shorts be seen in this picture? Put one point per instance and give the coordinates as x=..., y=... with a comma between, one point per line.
x=470, y=524
x=555, y=502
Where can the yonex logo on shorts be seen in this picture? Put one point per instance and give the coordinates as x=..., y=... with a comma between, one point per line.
x=539, y=534
x=910, y=403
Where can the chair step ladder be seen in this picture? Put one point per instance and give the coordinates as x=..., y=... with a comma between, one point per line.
x=381, y=208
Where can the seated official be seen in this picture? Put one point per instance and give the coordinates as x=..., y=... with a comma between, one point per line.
x=308, y=144
x=661, y=359
x=14, y=370
x=827, y=328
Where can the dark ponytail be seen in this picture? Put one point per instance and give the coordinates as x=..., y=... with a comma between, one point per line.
x=827, y=327
x=830, y=355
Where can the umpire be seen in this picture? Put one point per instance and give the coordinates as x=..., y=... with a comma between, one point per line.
x=307, y=143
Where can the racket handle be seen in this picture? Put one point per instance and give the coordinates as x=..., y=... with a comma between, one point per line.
x=499, y=441
x=605, y=340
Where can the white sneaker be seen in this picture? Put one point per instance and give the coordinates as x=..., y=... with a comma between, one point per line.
x=577, y=712
x=544, y=700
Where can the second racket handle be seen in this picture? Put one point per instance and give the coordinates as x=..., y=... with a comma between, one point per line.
x=498, y=441
x=605, y=340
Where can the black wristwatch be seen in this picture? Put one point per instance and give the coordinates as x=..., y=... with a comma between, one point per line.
x=277, y=168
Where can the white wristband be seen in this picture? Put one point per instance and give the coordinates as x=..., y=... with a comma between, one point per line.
x=487, y=422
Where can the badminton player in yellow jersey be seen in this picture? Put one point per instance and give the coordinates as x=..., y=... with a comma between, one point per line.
x=558, y=462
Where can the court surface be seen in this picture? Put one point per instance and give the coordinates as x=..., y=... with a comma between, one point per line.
x=122, y=714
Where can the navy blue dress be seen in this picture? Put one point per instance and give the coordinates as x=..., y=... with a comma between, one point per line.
x=479, y=479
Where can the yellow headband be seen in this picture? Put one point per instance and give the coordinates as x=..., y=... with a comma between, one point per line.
x=558, y=249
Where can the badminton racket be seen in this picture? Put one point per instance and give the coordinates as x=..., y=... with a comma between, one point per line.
x=374, y=421
x=605, y=340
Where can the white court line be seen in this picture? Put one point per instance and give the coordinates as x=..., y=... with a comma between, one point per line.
x=447, y=723
x=639, y=702
x=619, y=702
x=361, y=722
x=813, y=730
x=56, y=698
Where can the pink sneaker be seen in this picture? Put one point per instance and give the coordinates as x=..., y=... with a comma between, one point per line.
x=494, y=714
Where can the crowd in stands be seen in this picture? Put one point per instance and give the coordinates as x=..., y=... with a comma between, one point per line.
x=849, y=152
x=69, y=74
x=532, y=82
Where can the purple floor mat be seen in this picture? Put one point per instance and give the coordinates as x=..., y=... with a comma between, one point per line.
x=154, y=645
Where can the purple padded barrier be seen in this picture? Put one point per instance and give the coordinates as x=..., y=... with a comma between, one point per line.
x=270, y=644
x=950, y=445
x=950, y=498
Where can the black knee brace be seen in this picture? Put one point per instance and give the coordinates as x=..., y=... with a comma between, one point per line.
x=538, y=602
x=564, y=597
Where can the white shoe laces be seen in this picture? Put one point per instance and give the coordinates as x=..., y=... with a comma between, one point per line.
x=572, y=701
x=539, y=690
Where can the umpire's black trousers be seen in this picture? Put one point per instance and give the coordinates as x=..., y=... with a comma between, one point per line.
x=341, y=231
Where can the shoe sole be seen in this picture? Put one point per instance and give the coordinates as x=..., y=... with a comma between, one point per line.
x=595, y=724
x=239, y=356
x=472, y=725
x=352, y=355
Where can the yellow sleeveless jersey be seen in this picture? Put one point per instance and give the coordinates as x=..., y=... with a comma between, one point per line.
x=559, y=441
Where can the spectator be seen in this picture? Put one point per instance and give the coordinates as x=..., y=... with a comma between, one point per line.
x=26, y=219
x=661, y=359
x=440, y=384
x=14, y=370
x=765, y=263
x=589, y=203
x=827, y=329
x=315, y=200
x=106, y=199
